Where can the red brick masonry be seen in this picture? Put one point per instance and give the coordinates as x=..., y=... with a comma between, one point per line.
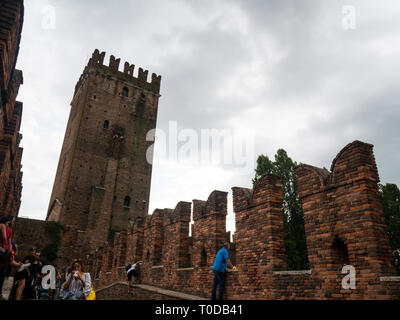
x=344, y=224
x=11, y=20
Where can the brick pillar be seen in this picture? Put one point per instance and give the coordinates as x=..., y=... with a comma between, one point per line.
x=176, y=238
x=344, y=222
x=101, y=205
x=153, y=245
x=182, y=214
x=209, y=234
x=116, y=256
x=106, y=253
x=108, y=266
x=260, y=245
x=123, y=249
x=135, y=242
x=98, y=262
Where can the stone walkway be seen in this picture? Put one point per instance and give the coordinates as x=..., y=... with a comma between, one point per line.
x=141, y=292
x=175, y=294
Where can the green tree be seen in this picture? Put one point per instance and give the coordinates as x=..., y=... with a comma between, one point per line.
x=390, y=196
x=293, y=218
x=264, y=166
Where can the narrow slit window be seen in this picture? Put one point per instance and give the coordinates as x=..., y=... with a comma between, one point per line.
x=340, y=251
x=125, y=92
x=203, y=260
x=106, y=124
x=127, y=201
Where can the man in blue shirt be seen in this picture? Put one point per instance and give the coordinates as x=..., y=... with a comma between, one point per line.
x=219, y=268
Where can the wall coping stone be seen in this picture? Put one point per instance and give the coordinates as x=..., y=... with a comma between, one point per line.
x=185, y=269
x=291, y=272
x=395, y=278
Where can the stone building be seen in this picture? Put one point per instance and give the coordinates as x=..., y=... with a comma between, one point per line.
x=11, y=20
x=103, y=177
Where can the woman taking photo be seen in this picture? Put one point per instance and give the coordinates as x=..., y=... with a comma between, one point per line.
x=78, y=284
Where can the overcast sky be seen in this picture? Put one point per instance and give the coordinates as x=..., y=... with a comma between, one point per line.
x=295, y=74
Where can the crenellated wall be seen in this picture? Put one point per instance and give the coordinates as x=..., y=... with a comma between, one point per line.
x=344, y=221
x=344, y=225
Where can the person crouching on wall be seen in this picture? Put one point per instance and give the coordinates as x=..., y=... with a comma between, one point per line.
x=132, y=270
x=78, y=284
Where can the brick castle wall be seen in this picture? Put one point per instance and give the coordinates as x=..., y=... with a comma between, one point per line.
x=29, y=233
x=343, y=222
x=11, y=20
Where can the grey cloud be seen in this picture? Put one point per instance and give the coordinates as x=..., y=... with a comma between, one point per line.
x=343, y=83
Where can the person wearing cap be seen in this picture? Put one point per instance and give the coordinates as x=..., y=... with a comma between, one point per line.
x=219, y=268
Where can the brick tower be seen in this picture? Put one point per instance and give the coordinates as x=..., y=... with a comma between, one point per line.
x=103, y=176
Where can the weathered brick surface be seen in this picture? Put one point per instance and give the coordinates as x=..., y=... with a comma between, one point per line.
x=11, y=20
x=103, y=176
x=120, y=292
x=343, y=221
x=30, y=233
x=209, y=234
x=259, y=237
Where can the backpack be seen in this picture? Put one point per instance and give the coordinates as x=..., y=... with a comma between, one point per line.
x=5, y=255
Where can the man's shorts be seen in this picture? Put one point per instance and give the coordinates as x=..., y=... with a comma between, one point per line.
x=20, y=275
x=132, y=273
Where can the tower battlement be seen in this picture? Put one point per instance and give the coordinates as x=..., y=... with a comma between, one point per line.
x=127, y=74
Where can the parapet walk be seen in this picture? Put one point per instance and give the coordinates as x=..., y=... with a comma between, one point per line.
x=104, y=293
x=344, y=225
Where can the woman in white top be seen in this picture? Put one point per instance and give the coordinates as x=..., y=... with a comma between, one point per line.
x=78, y=284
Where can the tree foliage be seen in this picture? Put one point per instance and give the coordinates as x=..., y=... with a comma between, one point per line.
x=390, y=196
x=293, y=218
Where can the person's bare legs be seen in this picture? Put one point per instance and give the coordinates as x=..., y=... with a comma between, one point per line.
x=129, y=285
x=20, y=289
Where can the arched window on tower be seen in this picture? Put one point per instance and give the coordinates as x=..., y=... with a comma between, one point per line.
x=125, y=92
x=127, y=201
x=106, y=124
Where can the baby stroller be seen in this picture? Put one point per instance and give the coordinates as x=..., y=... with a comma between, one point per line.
x=43, y=294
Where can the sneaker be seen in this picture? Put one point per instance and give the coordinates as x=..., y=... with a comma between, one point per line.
x=23, y=267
